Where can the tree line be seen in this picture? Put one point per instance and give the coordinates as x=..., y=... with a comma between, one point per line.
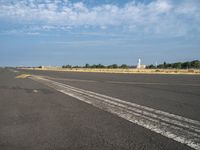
x=195, y=64
x=113, y=66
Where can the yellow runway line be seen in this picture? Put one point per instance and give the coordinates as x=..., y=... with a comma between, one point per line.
x=22, y=76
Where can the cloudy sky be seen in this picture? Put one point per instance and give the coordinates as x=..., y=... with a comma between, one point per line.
x=57, y=32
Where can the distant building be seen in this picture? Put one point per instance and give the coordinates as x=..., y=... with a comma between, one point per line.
x=139, y=65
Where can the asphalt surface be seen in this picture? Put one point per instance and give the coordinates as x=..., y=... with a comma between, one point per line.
x=34, y=116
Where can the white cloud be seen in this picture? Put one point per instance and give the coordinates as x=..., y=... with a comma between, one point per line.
x=21, y=32
x=162, y=6
x=159, y=16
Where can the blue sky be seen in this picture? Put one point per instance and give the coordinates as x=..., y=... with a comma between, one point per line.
x=57, y=32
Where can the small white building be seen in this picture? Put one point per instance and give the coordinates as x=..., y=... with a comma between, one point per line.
x=139, y=65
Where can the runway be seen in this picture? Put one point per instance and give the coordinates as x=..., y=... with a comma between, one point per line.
x=110, y=111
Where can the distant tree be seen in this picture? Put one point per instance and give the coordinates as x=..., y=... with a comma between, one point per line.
x=195, y=64
x=76, y=66
x=87, y=66
x=177, y=65
x=113, y=66
x=100, y=66
x=69, y=66
x=151, y=66
x=186, y=65
x=161, y=66
x=168, y=65
x=66, y=66
x=124, y=66
x=164, y=65
x=93, y=66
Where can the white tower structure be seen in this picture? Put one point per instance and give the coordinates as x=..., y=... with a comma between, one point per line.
x=139, y=63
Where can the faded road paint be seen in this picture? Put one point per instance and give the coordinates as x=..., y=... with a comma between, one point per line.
x=22, y=76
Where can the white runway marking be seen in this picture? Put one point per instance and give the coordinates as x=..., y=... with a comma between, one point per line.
x=178, y=128
x=35, y=91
